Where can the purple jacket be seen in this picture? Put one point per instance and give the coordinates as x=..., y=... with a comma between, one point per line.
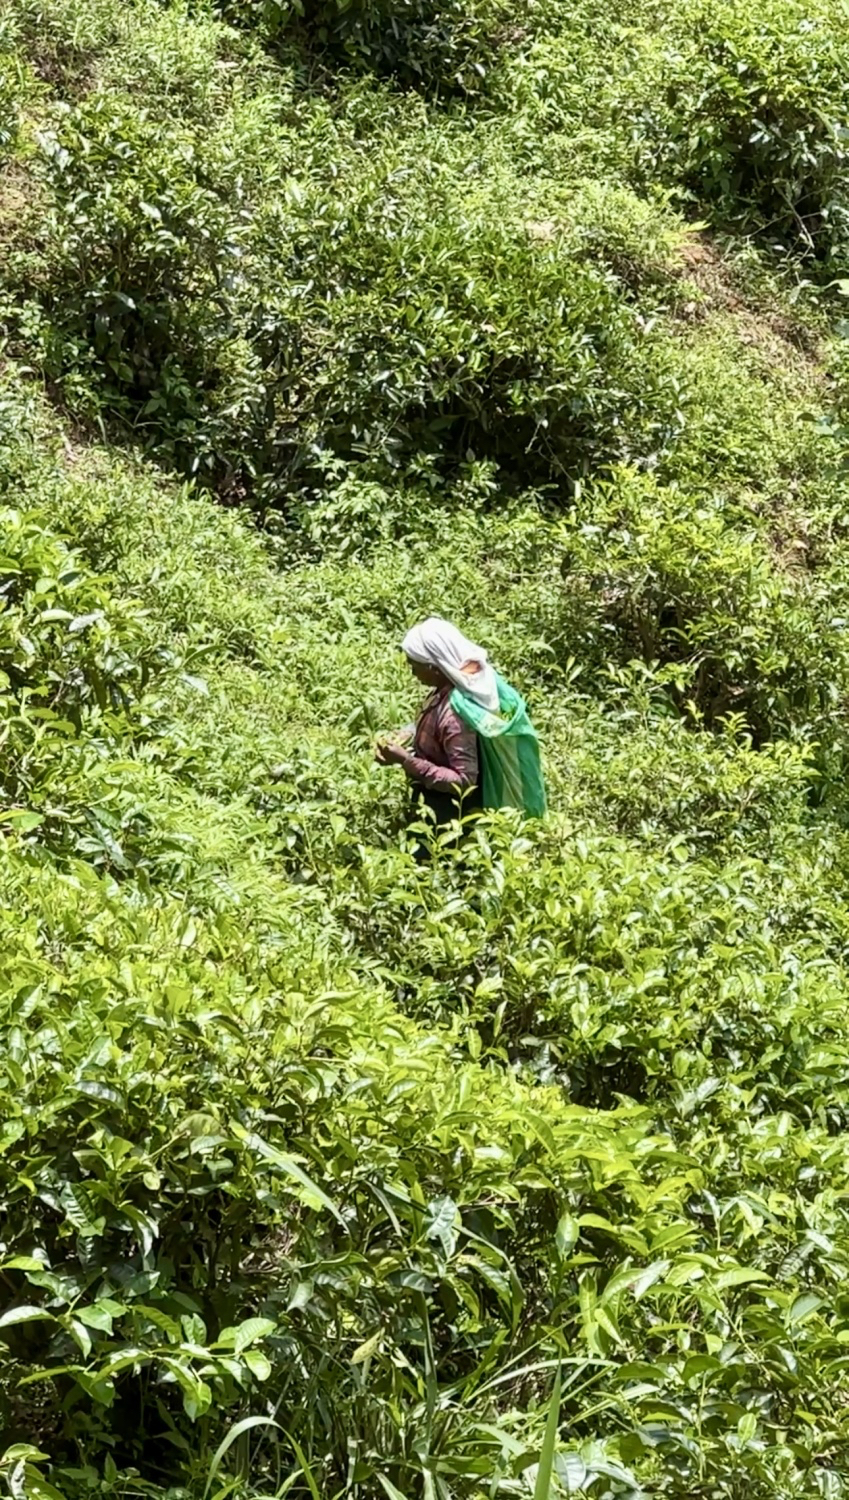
x=445, y=750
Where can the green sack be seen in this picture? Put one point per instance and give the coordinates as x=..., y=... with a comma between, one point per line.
x=509, y=749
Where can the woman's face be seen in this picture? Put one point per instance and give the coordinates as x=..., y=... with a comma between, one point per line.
x=429, y=676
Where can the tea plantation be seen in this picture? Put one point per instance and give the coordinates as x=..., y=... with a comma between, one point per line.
x=325, y=1173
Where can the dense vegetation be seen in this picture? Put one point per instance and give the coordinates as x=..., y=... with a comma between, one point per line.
x=316, y=1164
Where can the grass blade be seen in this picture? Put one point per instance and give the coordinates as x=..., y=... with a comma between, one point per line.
x=542, y=1488
x=226, y=1444
x=305, y=1468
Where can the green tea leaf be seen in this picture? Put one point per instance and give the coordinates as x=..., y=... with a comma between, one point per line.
x=24, y=1314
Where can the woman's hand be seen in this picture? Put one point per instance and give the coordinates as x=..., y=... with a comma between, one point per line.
x=388, y=753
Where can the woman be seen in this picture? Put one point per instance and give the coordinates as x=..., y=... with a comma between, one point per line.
x=440, y=752
x=474, y=745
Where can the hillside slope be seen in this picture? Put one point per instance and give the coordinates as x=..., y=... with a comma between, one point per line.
x=316, y=1164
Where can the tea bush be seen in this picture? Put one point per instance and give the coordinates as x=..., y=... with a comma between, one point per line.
x=508, y=349
x=685, y=590
x=71, y=664
x=142, y=242
x=446, y=49
x=376, y=337
x=751, y=113
x=393, y=331
x=239, y=1182
x=170, y=57
x=325, y=1172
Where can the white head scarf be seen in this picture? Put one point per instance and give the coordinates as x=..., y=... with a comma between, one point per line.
x=436, y=643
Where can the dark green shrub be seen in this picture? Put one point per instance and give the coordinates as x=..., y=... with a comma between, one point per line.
x=71, y=659
x=428, y=336
x=755, y=118
x=445, y=48
x=656, y=575
x=140, y=240
x=412, y=335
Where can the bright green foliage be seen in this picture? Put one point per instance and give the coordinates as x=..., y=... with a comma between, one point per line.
x=325, y=1173
x=142, y=243
x=693, y=590
x=373, y=337
x=755, y=117
x=447, y=48
x=66, y=658
x=221, y=1120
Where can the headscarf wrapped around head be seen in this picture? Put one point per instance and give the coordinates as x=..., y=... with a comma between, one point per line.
x=437, y=643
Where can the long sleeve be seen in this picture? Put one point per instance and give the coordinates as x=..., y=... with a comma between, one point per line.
x=458, y=749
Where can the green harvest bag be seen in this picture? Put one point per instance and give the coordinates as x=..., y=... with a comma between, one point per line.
x=512, y=774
